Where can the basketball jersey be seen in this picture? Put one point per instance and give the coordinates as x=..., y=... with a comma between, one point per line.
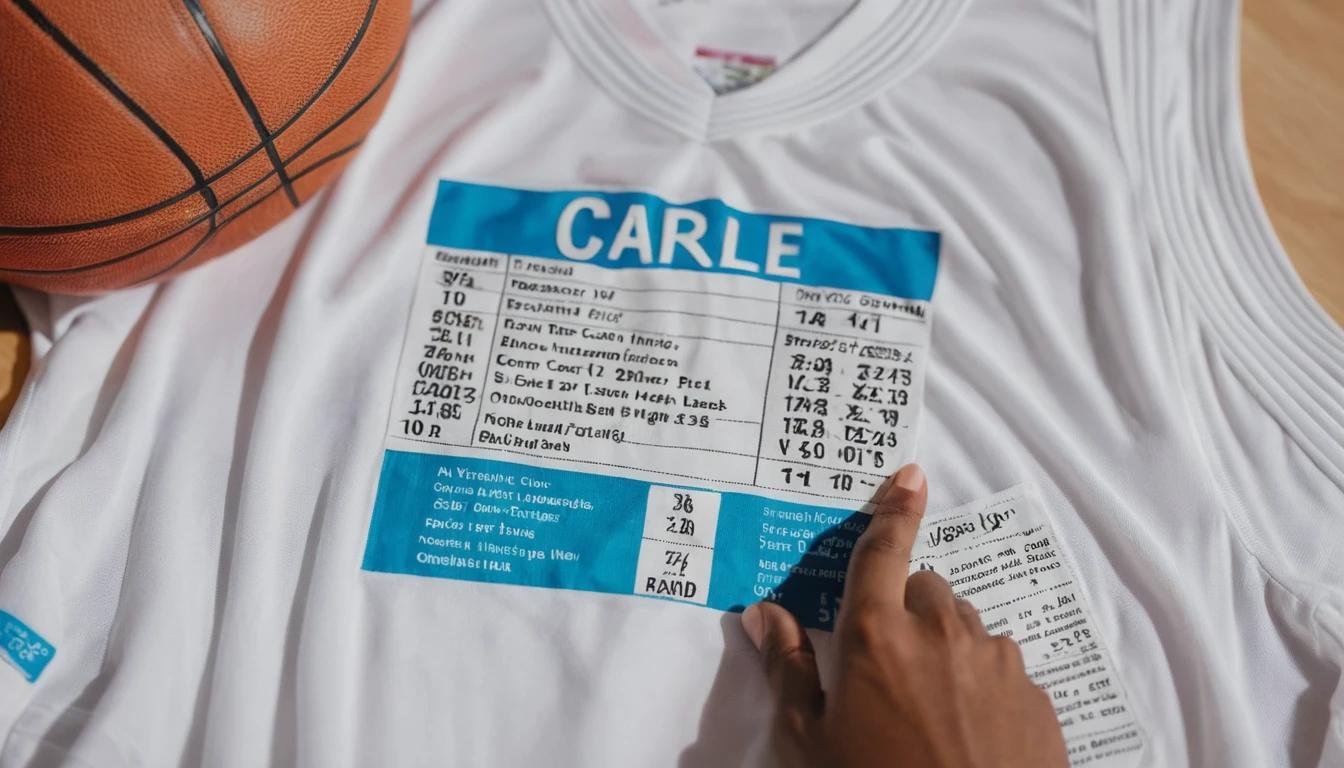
x=621, y=311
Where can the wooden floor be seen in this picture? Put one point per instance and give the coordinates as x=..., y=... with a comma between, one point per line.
x=1292, y=84
x=14, y=353
x=1293, y=96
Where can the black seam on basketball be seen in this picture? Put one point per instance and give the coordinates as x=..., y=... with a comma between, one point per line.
x=58, y=229
x=336, y=71
x=208, y=215
x=353, y=109
x=249, y=106
x=387, y=75
x=223, y=222
x=189, y=225
x=214, y=213
x=131, y=105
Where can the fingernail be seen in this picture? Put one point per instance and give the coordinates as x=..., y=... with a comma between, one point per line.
x=753, y=623
x=909, y=478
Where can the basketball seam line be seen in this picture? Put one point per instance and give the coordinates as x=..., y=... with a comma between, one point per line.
x=350, y=50
x=191, y=224
x=364, y=100
x=131, y=105
x=267, y=137
x=215, y=230
x=249, y=106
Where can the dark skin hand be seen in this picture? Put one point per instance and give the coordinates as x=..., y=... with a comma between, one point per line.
x=920, y=683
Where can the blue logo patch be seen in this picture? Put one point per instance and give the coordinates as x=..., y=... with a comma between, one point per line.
x=23, y=648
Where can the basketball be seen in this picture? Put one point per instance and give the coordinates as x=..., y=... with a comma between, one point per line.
x=141, y=138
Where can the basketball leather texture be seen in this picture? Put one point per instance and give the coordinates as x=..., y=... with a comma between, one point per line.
x=139, y=138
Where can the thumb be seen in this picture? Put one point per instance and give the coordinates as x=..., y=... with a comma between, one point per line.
x=790, y=666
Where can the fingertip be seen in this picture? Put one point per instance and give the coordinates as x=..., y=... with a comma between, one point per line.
x=906, y=491
x=880, y=561
x=786, y=653
x=910, y=478
x=753, y=623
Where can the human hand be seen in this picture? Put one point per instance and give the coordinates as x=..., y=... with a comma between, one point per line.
x=920, y=681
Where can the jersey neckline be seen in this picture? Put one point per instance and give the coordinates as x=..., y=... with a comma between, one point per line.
x=874, y=44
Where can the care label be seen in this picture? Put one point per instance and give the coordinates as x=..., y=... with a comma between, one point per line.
x=1003, y=556
x=609, y=392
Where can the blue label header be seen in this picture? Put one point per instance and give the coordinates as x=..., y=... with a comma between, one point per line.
x=639, y=230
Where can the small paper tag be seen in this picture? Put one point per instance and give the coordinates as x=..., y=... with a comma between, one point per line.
x=1001, y=554
x=24, y=649
x=727, y=71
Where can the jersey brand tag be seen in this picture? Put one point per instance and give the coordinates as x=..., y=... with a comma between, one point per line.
x=728, y=71
x=24, y=649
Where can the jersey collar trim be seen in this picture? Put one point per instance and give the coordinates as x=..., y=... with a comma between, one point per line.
x=877, y=43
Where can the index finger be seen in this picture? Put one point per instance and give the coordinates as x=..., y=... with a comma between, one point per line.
x=880, y=563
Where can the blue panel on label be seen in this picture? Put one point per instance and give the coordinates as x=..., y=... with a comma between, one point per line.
x=638, y=230
x=508, y=523
x=26, y=650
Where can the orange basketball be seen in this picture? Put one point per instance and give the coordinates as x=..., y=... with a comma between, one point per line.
x=140, y=138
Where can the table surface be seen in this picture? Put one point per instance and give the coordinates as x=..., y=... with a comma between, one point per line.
x=1292, y=98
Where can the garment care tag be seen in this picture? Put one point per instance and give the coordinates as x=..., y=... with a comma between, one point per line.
x=609, y=392
x=1002, y=555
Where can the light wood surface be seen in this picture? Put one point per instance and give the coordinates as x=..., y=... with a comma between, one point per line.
x=1292, y=90
x=1293, y=99
x=14, y=353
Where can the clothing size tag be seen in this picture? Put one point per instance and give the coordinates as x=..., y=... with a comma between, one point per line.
x=1002, y=555
x=608, y=392
x=728, y=71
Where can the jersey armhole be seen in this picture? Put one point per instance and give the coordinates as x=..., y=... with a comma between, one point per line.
x=1170, y=74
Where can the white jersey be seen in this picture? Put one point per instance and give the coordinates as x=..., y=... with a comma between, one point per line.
x=622, y=310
